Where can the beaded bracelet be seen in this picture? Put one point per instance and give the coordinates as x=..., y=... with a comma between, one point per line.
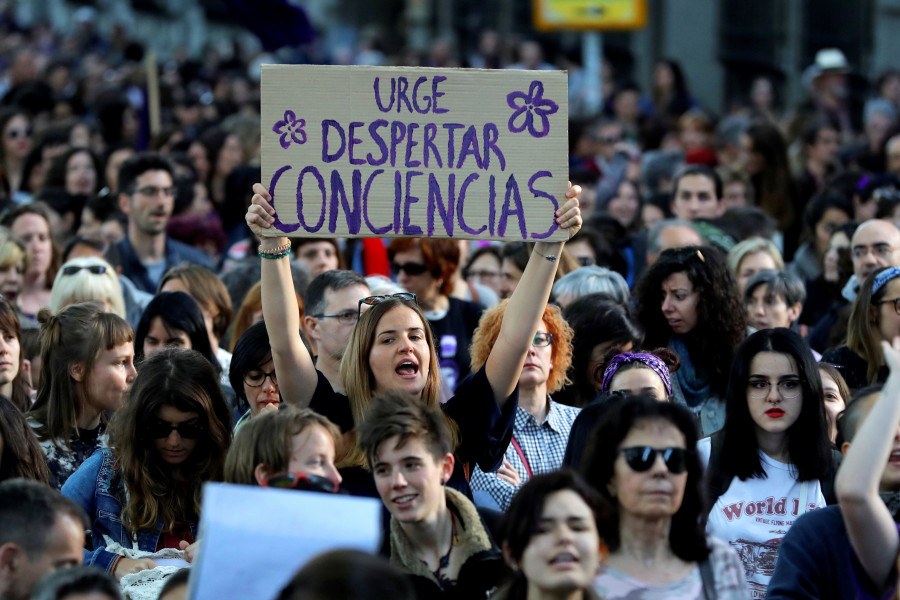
x=279, y=252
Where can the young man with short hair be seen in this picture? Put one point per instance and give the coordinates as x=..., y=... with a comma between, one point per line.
x=436, y=534
x=147, y=197
x=698, y=194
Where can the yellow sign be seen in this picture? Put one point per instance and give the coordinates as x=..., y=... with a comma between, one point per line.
x=590, y=14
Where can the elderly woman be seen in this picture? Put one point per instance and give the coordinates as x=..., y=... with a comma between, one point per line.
x=541, y=427
x=591, y=280
x=644, y=465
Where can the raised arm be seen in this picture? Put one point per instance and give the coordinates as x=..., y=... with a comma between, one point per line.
x=526, y=305
x=870, y=527
x=296, y=372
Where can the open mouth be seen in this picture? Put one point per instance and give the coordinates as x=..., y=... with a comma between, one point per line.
x=894, y=458
x=404, y=501
x=563, y=559
x=407, y=369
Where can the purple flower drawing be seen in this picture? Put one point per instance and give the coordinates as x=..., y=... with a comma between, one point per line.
x=292, y=128
x=527, y=108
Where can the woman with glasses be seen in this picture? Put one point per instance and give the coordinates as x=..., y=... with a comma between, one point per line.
x=252, y=374
x=87, y=279
x=143, y=492
x=874, y=318
x=426, y=268
x=642, y=462
x=392, y=350
x=541, y=427
x=772, y=461
x=688, y=301
x=86, y=370
x=289, y=448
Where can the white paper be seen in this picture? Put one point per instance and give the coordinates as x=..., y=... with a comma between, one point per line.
x=253, y=540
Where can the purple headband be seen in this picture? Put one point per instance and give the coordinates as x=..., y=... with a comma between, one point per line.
x=651, y=360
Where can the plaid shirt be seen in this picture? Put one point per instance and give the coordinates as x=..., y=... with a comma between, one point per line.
x=543, y=445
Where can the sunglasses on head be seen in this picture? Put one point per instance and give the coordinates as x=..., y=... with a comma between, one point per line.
x=301, y=481
x=410, y=268
x=189, y=430
x=95, y=269
x=642, y=458
x=408, y=297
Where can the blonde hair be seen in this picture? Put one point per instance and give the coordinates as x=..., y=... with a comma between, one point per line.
x=357, y=375
x=266, y=440
x=750, y=246
x=11, y=252
x=488, y=331
x=84, y=286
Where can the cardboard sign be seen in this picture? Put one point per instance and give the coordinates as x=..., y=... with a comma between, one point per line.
x=415, y=152
x=253, y=540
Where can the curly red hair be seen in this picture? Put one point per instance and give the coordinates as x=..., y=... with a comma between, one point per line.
x=488, y=330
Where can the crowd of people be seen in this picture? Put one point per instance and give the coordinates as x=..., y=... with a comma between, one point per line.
x=674, y=403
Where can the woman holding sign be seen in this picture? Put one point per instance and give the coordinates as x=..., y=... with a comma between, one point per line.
x=392, y=350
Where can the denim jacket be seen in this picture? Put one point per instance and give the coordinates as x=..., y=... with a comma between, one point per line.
x=98, y=488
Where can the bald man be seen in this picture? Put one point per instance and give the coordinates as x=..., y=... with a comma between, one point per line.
x=875, y=245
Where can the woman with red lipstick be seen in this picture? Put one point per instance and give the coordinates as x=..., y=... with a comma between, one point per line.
x=772, y=462
x=392, y=350
x=642, y=462
x=688, y=301
x=143, y=492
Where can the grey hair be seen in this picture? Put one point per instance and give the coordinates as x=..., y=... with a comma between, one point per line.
x=879, y=105
x=653, y=244
x=778, y=283
x=593, y=280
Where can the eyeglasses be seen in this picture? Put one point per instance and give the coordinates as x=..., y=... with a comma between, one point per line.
x=759, y=388
x=896, y=302
x=189, y=430
x=586, y=261
x=347, y=317
x=17, y=133
x=880, y=250
x=407, y=297
x=258, y=378
x=642, y=458
x=410, y=268
x=542, y=339
x=153, y=191
x=301, y=481
x=95, y=269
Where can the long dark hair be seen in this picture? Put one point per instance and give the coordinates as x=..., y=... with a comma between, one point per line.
x=721, y=316
x=21, y=456
x=522, y=519
x=9, y=321
x=158, y=492
x=808, y=444
x=177, y=310
x=687, y=536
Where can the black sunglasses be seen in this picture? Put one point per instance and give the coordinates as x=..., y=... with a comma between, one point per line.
x=95, y=269
x=189, y=430
x=408, y=297
x=641, y=458
x=301, y=481
x=410, y=268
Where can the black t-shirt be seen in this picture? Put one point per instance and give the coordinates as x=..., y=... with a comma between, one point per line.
x=452, y=338
x=484, y=429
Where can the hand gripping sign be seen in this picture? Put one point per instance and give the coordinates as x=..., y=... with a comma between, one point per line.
x=397, y=152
